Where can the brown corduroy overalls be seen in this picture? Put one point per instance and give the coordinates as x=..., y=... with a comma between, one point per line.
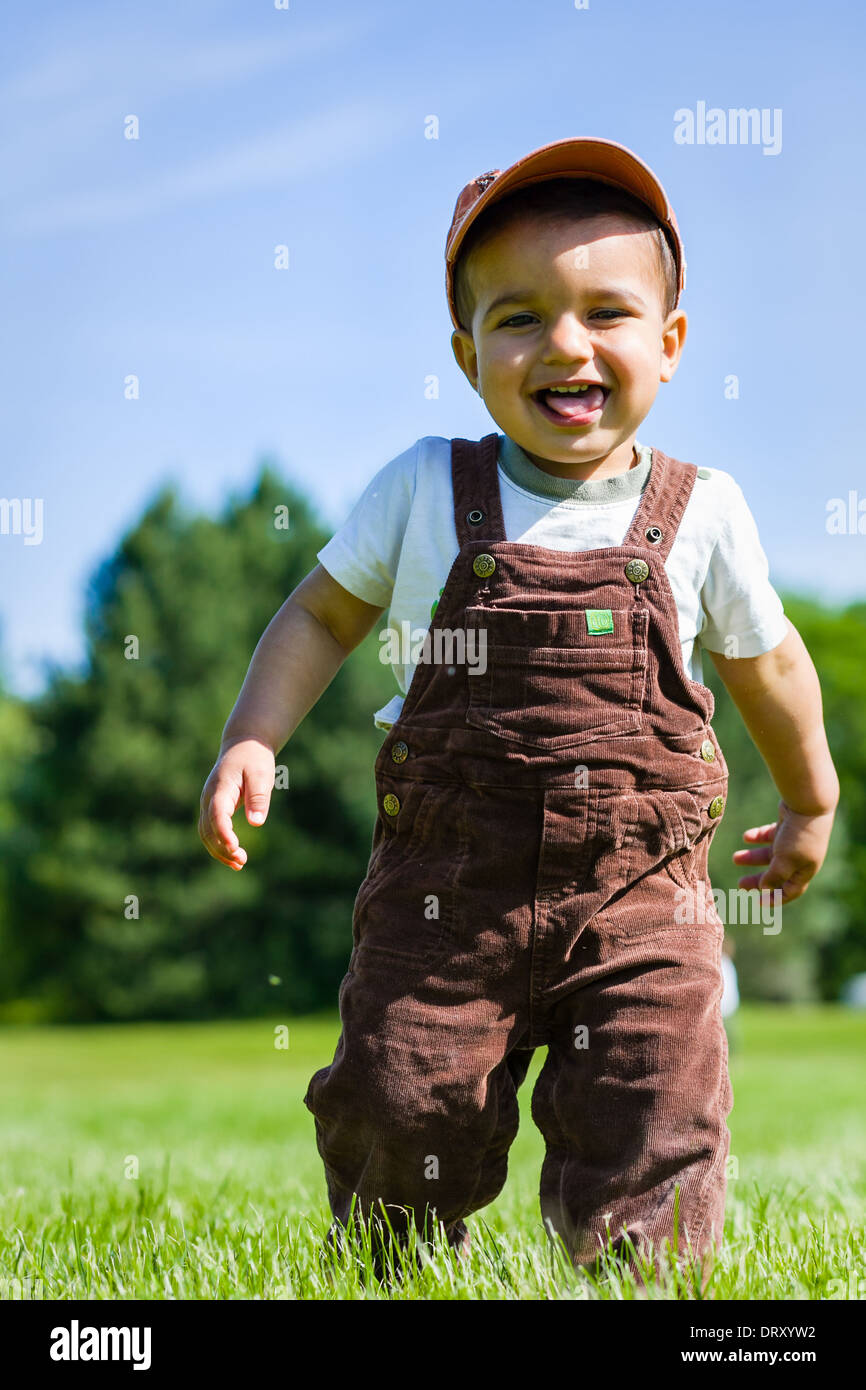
x=543, y=830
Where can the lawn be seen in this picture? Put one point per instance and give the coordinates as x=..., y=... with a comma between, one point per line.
x=178, y=1161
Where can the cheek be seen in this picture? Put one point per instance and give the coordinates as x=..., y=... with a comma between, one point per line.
x=498, y=369
x=638, y=365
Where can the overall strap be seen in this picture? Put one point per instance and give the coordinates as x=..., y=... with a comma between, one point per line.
x=662, y=504
x=475, y=484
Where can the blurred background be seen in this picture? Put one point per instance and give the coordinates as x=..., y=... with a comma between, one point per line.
x=222, y=233
x=222, y=250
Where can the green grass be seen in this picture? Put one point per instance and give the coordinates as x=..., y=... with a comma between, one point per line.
x=229, y=1198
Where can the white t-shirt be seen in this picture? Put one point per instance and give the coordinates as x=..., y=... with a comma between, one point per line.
x=399, y=542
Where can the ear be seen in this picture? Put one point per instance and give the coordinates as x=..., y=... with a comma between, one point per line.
x=673, y=338
x=463, y=347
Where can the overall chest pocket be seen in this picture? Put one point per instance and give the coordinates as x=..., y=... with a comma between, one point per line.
x=550, y=682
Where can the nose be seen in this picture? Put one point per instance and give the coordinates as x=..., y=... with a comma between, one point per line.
x=568, y=340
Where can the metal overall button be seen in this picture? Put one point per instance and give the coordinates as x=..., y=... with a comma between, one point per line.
x=399, y=825
x=475, y=517
x=708, y=751
x=400, y=751
x=483, y=565
x=653, y=534
x=716, y=807
x=636, y=571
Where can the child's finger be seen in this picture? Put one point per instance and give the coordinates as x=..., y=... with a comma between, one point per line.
x=776, y=876
x=767, y=890
x=750, y=881
x=216, y=830
x=234, y=861
x=257, y=796
x=222, y=807
x=762, y=855
x=759, y=833
x=235, y=858
x=792, y=882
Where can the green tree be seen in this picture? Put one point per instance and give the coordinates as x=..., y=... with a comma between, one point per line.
x=19, y=741
x=119, y=910
x=823, y=935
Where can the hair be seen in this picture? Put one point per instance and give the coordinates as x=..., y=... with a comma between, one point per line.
x=559, y=198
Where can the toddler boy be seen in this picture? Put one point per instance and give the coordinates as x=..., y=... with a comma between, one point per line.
x=550, y=782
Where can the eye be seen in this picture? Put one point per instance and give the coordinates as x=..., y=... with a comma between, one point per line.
x=617, y=313
x=512, y=318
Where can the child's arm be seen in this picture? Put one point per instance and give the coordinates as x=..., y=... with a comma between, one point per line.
x=297, y=657
x=779, y=697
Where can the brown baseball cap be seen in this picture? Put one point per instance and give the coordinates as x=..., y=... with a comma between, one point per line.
x=577, y=157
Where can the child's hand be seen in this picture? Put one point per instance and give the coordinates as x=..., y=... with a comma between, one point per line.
x=793, y=847
x=245, y=769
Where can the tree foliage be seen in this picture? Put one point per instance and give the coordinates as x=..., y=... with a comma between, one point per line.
x=107, y=806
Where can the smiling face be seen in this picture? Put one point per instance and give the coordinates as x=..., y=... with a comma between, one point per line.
x=564, y=300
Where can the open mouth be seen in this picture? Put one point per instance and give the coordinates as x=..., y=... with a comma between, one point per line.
x=572, y=405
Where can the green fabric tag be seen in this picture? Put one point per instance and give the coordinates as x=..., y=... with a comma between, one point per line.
x=599, y=620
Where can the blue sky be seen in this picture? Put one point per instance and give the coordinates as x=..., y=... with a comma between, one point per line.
x=305, y=127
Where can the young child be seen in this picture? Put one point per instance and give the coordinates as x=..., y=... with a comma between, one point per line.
x=549, y=784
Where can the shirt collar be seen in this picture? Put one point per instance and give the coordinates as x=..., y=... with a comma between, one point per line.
x=519, y=467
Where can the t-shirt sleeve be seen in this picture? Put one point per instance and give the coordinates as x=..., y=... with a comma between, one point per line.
x=737, y=597
x=363, y=554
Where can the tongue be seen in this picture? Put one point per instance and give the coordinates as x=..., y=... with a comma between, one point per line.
x=575, y=407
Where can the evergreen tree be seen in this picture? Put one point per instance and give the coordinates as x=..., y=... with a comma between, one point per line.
x=119, y=911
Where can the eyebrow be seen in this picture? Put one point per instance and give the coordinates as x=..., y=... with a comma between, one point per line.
x=601, y=292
